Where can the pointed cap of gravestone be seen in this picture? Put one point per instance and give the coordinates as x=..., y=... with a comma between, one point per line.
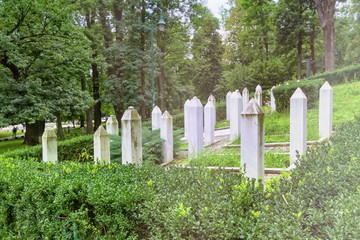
x=131, y=114
x=101, y=131
x=236, y=94
x=245, y=90
x=187, y=102
x=209, y=104
x=229, y=93
x=326, y=86
x=252, y=108
x=156, y=110
x=273, y=87
x=166, y=115
x=211, y=98
x=49, y=133
x=258, y=89
x=298, y=94
x=195, y=102
x=112, y=119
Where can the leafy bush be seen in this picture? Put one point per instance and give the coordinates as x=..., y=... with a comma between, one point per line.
x=343, y=75
x=284, y=92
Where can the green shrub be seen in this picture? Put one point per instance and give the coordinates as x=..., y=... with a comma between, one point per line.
x=343, y=75
x=284, y=92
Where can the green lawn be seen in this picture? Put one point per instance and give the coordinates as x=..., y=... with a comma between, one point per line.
x=11, y=145
x=9, y=134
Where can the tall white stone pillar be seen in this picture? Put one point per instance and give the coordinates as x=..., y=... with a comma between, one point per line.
x=228, y=105
x=101, y=146
x=196, y=127
x=236, y=105
x=252, y=140
x=325, y=110
x=156, y=118
x=112, y=125
x=49, y=146
x=209, y=122
x=131, y=137
x=245, y=97
x=258, y=95
x=186, y=118
x=166, y=133
x=298, y=124
x=212, y=99
x=272, y=100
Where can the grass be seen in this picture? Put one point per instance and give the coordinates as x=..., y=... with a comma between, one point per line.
x=224, y=123
x=9, y=134
x=11, y=145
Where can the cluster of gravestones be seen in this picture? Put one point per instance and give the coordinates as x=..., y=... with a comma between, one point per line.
x=246, y=122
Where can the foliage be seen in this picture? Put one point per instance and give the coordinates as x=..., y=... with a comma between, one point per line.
x=343, y=75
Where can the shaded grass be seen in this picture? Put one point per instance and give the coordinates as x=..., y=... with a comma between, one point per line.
x=9, y=134
x=11, y=145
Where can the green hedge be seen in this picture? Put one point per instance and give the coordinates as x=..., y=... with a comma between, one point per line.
x=342, y=75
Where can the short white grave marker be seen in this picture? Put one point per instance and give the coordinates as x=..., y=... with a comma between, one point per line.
x=236, y=105
x=49, y=146
x=196, y=127
x=101, y=146
x=166, y=133
x=325, y=110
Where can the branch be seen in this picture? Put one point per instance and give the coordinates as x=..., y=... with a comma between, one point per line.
x=12, y=67
x=320, y=11
x=20, y=21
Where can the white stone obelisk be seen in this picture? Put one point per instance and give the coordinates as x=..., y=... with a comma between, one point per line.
x=298, y=124
x=236, y=105
x=196, y=127
x=131, y=137
x=155, y=118
x=272, y=100
x=245, y=97
x=228, y=105
x=209, y=122
x=258, y=95
x=166, y=133
x=186, y=118
x=112, y=125
x=325, y=110
x=212, y=99
x=101, y=146
x=252, y=140
x=49, y=146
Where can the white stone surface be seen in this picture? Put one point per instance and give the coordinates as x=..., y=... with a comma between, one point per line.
x=166, y=133
x=236, y=105
x=131, y=137
x=272, y=100
x=196, y=127
x=112, y=125
x=258, y=95
x=228, y=105
x=49, y=146
x=245, y=97
x=298, y=124
x=186, y=118
x=258, y=89
x=209, y=122
x=156, y=118
x=212, y=99
x=252, y=140
x=325, y=110
x=101, y=146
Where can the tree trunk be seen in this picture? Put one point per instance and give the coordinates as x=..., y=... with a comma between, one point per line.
x=33, y=132
x=299, y=56
x=142, y=71
x=60, y=132
x=118, y=114
x=89, y=121
x=312, y=50
x=96, y=95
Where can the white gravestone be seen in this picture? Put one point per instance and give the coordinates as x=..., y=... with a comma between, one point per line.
x=272, y=100
x=186, y=118
x=196, y=127
x=101, y=146
x=155, y=118
x=245, y=97
x=236, y=105
x=212, y=99
x=228, y=105
x=325, y=110
x=49, y=146
x=131, y=137
x=258, y=95
x=252, y=140
x=298, y=124
x=209, y=122
x=112, y=125
x=166, y=133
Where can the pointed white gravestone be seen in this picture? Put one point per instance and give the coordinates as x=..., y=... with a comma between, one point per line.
x=252, y=140
x=112, y=125
x=186, y=118
x=212, y=99
x=236, y=105
x=101, y=146
x=228, y=105
x=272, y=100
x=196, y=127
x=325, y=110
x=131, y=137
x=49, y=146
x=245, y=97
x=166, y=133
x=258, y=95
x=209, y=122
x=298, y=124
x=155, y=118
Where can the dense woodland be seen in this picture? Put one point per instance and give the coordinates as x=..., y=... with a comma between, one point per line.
x=84, y=59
